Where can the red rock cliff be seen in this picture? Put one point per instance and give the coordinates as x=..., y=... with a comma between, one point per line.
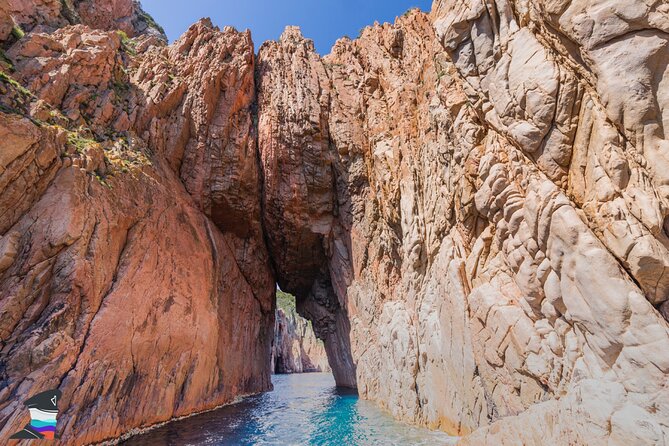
x=295, y=348
x=134, y=275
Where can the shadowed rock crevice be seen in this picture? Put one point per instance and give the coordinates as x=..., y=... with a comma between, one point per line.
x=331, y=324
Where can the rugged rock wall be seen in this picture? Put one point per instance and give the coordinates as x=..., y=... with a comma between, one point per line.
x=497, y=236
x=48, y=15
x=469, y=206
x=133, y=271
x=299, y=193
x=296, y=349
x=578, y=88
x=394, y=193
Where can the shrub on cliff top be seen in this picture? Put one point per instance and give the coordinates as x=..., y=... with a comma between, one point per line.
x=410, y=10
x=285, y=301
x=151, y=22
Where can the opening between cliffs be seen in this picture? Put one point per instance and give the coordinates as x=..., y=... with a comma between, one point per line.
x=302, y=346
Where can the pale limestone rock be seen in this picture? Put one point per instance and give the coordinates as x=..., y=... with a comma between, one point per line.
x=607, y=161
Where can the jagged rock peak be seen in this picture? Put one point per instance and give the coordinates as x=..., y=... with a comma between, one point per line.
x=292, y=37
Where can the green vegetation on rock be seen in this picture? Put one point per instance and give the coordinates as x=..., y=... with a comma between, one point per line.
x=410, y=10
x=151, y=22
x=79, y=142
x=5, y=62
x=285, y=301
x=6, y=78
x=123, y=35
x=125, y=157
x=128, y=45
x=17, y=32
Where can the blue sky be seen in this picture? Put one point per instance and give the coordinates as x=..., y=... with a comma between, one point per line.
x=324, y=21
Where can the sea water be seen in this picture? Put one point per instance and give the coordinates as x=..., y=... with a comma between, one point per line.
x=303, y=409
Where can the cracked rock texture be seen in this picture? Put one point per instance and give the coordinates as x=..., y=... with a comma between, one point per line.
x=124, y=15
x=133, y=271
x=470, y=207
x=494, y=229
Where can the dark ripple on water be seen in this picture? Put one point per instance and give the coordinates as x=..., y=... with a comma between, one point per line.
x=305, y=409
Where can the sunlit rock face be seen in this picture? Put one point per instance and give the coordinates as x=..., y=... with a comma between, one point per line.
x=470, y=207
x=124, y=15
x=578, y=89
x=299, y=196
x=497, y=239
x=133, y=271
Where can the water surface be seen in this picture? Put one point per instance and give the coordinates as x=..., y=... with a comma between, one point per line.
x=303, y=409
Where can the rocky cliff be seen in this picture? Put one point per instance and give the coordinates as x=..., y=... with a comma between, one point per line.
x=134, y=275
x=49, y=15
x=295, y=348
x=470, y=207
x=494, y=229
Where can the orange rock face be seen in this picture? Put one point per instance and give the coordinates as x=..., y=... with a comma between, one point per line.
x=295, y=348
x=298, y=187
x=134, y=274
x=124, y=15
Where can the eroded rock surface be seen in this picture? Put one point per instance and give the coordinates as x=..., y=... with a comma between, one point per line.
x=298, y=187
x=133, y=271
x=498, y=243
x=124, y=15
x=470, y=207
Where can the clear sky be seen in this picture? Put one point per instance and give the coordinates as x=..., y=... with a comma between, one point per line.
x=324, y=21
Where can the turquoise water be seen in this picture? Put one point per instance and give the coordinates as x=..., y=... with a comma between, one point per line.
x=303, y=409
